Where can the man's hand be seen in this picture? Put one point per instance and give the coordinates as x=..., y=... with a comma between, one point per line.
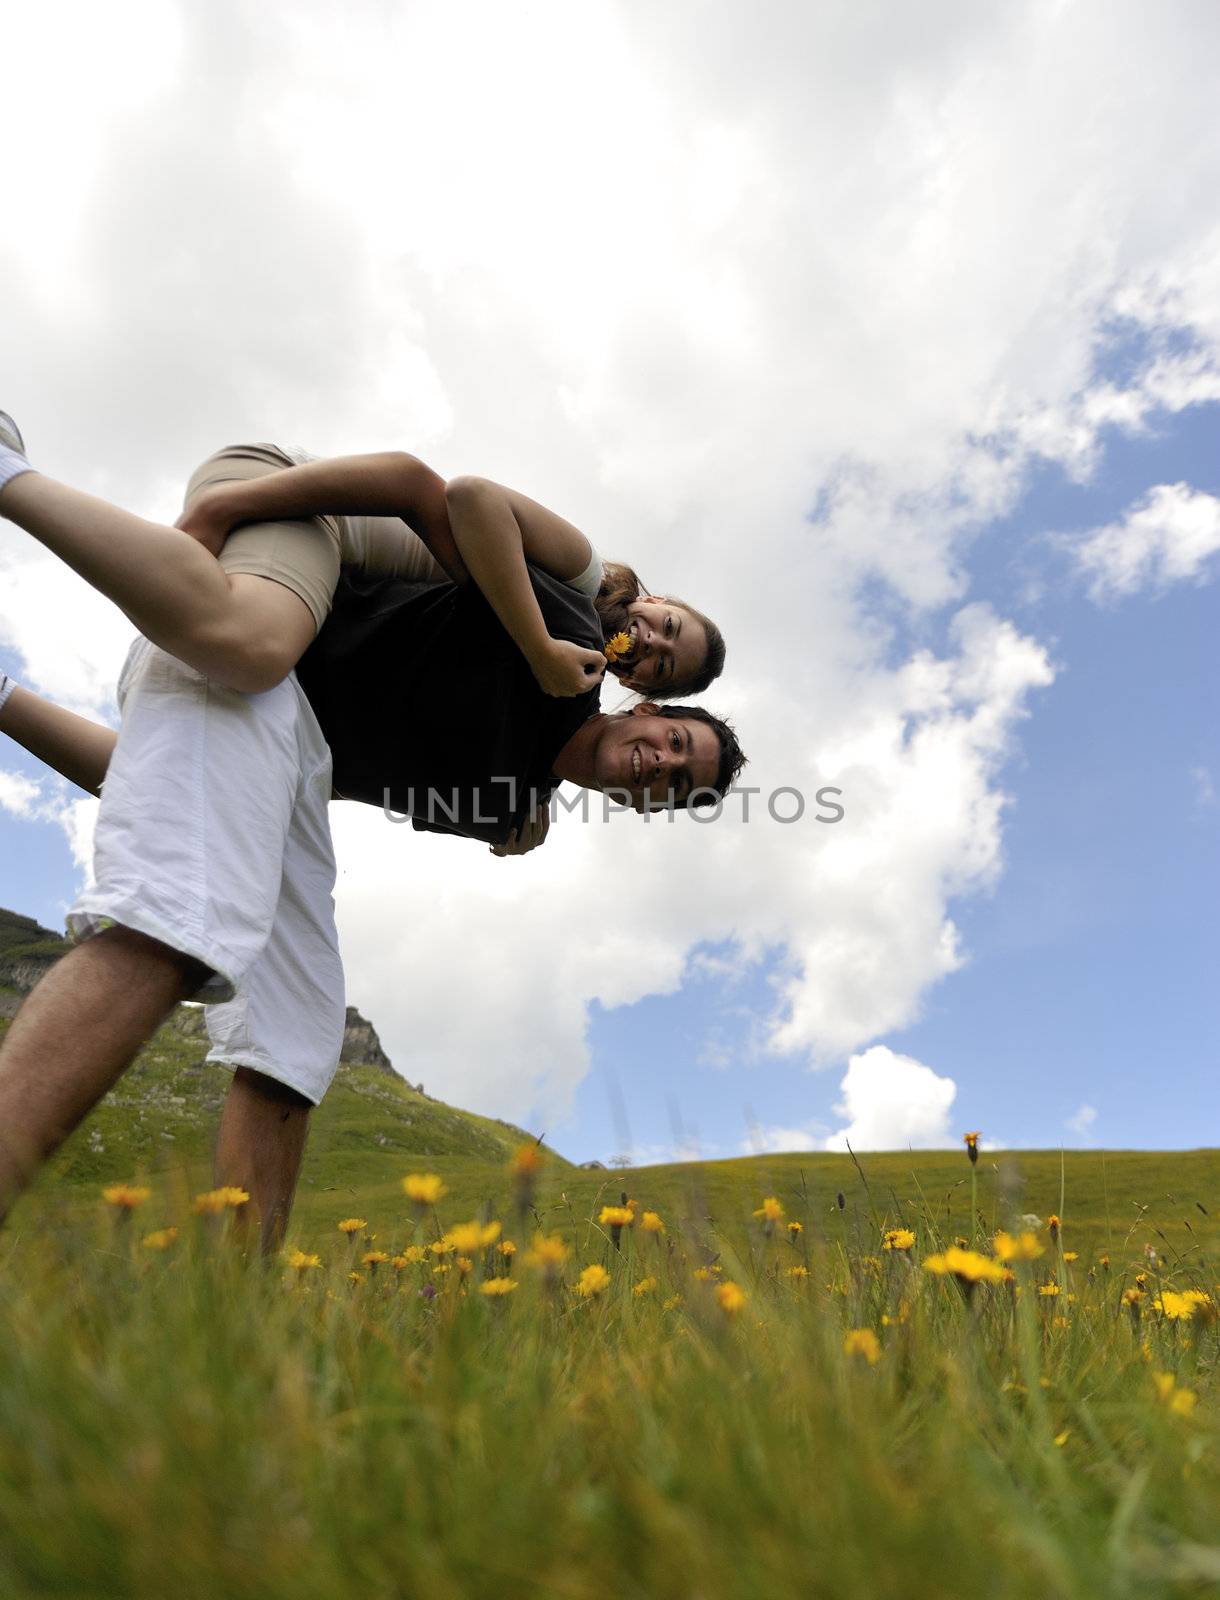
x=529, y=835
x=563, y=668
x=210, y=518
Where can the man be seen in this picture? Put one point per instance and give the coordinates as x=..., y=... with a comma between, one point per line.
x=213, y=859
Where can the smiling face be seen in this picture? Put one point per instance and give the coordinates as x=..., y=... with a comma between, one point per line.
x=656, y=761
x=670, y=646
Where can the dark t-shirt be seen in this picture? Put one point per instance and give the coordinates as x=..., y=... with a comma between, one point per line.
x=429, y=707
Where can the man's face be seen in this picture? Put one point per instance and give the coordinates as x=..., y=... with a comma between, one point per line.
x=655, y=760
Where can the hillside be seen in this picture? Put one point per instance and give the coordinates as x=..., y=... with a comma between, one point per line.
x=162, y=1115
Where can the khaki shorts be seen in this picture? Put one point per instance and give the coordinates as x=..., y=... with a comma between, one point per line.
x=303, y=556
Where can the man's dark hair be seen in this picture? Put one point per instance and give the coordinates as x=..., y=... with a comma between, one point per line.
x=732, y=757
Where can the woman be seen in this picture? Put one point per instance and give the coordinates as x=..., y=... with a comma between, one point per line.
x=268, y=515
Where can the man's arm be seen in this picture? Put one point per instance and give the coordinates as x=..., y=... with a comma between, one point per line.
x=71, y=745
x=388, y=484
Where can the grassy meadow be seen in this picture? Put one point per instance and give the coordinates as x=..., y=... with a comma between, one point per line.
x=519, y=1383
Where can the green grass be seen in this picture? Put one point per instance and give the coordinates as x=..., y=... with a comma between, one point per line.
x=190, y=1423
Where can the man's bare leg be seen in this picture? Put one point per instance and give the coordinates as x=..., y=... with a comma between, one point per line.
x=263, y=1130
x=74, y=1037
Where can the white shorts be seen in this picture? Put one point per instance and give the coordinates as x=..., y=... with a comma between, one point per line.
x=213, y=837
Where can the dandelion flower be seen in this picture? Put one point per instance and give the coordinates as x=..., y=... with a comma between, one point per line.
x=161, y=1240
x=730, y=1297
x=672, y=1304
x=898, y=1239
x=355, y=1277
x=301, y=1261
x=506, y=1248
x=413, y=1255
x=125, y=1196
x=618, y=647
x=1071, y=1255
x=373, y=1259
x=549, y=1254
x=352, y=1225
x=1179, y=1401
x=594, y=1280
x=971, y=1141
x=214, y=1201
x=796, y=1229
x=616, y=1217
x=798, y=1272
x=497, y=1288
x=862, y=1342
x=526, y=1159
x=1048, y=1291
x=771, y=1210
x=645, y=1286
x=1053, y=1224
x=1024, y=1247
x=469, y=1237
x=423, y=1188
x=651, y=1222
x=967, y=1266
x=464, y=1265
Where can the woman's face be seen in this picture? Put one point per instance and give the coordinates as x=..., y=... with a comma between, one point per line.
x=670, y=646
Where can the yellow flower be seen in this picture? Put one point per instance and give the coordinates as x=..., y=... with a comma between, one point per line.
x=373, y=1259
x=862, y=1342
x=1132, y=1298
x=1048, y=1291
x=1052, y=1223
x=645, y=1286
x=672, y=1304
x=1025, y=1247
x=703, y=1274
x=465, y=1266
x=412, y=1255
x=651, y=1222
x=497, y=1287
x=971, y=1141
x=398, y=1262
x=798, y=1272
x=1179, y=1401
x=1184, y=1307
x=616, y=1217
x=506, y=1248
x=618, y=647
x=549, y=1253
x=161, y=1240
x=351, y=1225
x=215, y=1201
x=355, y=1277
x=898, y=1239
x=796, y=1228
x=423, y=1188
x=526, y=1159
x=469, y=1237
x=441, y=1247
x=967, y=1266
x=125, y=1196
x=301, y=1261
x=770, y=1210
x=593, y=1281
x=1071, y=1255
x=730, y=1297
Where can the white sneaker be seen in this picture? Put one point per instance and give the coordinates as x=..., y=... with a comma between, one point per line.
x=10, y=434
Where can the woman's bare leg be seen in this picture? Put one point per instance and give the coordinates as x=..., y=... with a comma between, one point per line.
x=244, y=631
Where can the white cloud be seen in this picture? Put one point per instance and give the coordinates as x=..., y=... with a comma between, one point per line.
x=1205, y=787
x=687, y=280
x=19, y=795
x=777, y=1139
x=1166, y=537
x=1082, y=1120
x=893, y=1102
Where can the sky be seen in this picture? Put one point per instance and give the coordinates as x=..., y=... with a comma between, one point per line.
x=888, y=336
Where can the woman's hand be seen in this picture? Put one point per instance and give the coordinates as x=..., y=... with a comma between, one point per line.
x=529, y=835
x=210, y=518
x=563, y=668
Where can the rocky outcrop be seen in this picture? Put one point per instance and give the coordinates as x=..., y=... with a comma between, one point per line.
x=361, y=1046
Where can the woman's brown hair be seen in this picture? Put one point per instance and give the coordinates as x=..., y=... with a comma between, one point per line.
x=620, y=585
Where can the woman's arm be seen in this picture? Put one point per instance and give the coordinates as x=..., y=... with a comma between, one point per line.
x=388, y=484
x=71, y=745
x=497, y=531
